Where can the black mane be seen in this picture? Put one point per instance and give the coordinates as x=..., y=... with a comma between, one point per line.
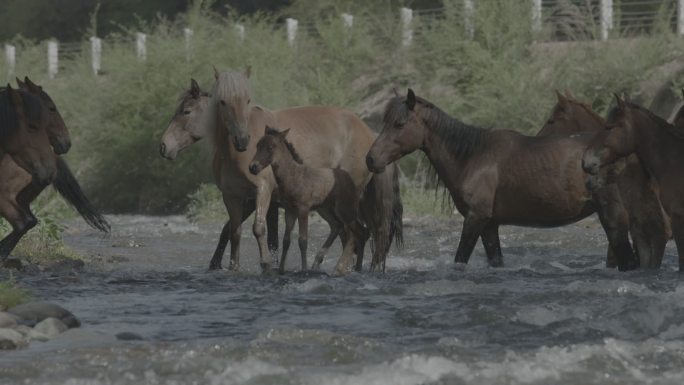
x=276, y=133
x=9, y=123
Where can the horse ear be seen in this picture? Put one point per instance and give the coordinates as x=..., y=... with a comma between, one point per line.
x=20, y=83
x=683, y=92
x=619, y=101
x=248, y=71
x=562, y=100
x=14, y=96
x=194, y=88
x=284, y=133
x=216, y=73
x=569, y=94
x=31, y=84
x=410, y=99
x=396, y=93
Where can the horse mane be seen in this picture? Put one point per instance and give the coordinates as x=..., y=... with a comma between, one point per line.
x=662, y=123
x=276, y=134
x=229, y=85
x=588, y=109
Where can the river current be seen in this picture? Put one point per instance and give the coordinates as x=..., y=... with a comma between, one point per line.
x=553, y=315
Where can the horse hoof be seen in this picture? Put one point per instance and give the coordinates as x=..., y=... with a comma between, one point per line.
x=233, y=267
x=215, y=267
x=12, y=263
x=498, y=262
x=266, y=269
x=460, y=266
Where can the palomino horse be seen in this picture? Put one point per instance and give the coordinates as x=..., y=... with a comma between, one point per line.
x=660, y=147
x=18, y=190
x=23, y=133
x=323, y=136
x=639, y=207
x=301, y=188
x=495, y=177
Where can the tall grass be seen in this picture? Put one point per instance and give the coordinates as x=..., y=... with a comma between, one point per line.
x=500, y=77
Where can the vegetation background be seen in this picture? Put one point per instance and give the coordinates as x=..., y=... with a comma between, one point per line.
x=502, y=76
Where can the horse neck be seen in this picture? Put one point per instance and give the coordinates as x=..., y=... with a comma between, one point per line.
x=450, y=144
x=652, y=144
x=286, y=170
x=591, y=122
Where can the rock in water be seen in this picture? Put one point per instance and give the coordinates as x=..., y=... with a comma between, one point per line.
x=32, y=313
x=12, y=336
x=8, y=320
x=49, y=327
x=128, y=336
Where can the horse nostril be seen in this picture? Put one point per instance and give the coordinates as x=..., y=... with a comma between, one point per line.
x=369, y=162
x=253, y=168
x=162, y=149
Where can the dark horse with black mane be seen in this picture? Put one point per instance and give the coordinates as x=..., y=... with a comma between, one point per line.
x=496, y=177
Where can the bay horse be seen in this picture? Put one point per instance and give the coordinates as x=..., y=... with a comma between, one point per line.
x=324, y=137
x=329, y=191
x=23, y=133
x=495, y=177
x=660, y=148
x=638, y=207
x=18, y=188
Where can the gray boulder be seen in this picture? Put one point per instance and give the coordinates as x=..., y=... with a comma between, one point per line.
x=8, y=320
x=12, y=336
x=32, y=313
x=47, y=329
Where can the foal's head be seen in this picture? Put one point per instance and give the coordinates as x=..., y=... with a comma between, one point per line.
x=570, y=116
x=403, y=132
x=270, y=148
x=57, y=130
x=185, y=127
x=23, y=133
x=619, y=142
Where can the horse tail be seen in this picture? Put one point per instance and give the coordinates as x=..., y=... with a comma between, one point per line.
x=383, y=210
x=66, y=184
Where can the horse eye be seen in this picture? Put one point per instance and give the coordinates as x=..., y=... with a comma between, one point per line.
x=249, y=101
x=53, y=109
x=550, y=121
x=186, y=112
x=223, y=102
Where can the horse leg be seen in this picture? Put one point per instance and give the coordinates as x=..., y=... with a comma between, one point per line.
x=263, y=202
x=272, y=229
x=335, y=227
x=290, y=218
x=22, y=221
x=492, y=244
x=303, y=219
x=472, y=228
x=678, y=235
x=345, y=261
x=227, y=234
x=362, y=238
x=615, y=221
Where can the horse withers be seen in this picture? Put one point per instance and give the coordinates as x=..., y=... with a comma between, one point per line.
x=301, y=189
x=495, y=177
x=660, y=148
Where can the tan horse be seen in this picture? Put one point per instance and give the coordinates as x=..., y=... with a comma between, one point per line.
x=639, y=206
x=323, y=136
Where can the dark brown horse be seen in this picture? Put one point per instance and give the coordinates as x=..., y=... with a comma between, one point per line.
x=23, y=133
x=18, y=189
x=495, y=177
x=301, y=188
x=660, y=148
x=324, y=136
x=638, y=207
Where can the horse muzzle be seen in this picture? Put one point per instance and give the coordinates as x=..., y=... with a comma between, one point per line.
x=165, y=153
x=241, y=142
x=372, y=165
x=61, y=146
x=254, y=168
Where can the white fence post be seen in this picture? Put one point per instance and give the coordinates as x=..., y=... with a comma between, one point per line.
x=53, y=58
x=348, y=19
x=240, y=29
x=291, y=26
x=407, y=29
x=10, y=58
x=680, y=17
x=468, y=14
x=96, y=54
x=141, y=45
x=187, y=32
x=606, y=18
x=536, y=15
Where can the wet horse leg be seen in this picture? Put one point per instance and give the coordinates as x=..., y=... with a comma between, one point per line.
x=362, y=238
x=472, y=229
x=226, y=235
x=615, y=221
x=303, y=219
x=290, y=218
x=18, y=213
x=335, y=227
x=345, y=261
x=272, y=228
x=263, y=202
x=492, y=244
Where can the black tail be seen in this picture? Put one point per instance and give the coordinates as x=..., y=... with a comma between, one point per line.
x=382, y=212
x=66, y=184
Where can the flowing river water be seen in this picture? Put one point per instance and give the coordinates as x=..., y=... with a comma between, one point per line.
x=553, y=315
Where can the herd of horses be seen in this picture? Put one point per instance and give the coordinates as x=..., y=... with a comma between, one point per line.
x=625, y=168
